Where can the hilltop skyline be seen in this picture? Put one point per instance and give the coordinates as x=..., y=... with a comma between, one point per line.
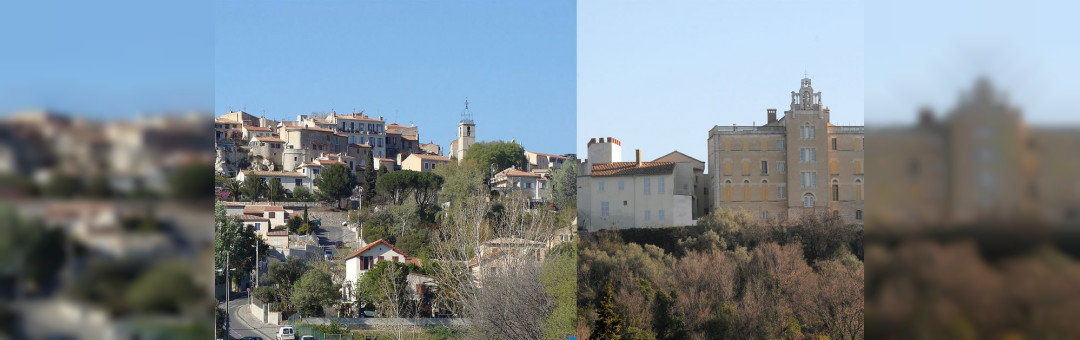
x=514, y=62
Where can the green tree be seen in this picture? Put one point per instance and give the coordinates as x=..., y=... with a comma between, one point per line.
x=276, y=191
x=337, y=182
x=164, y=288
x=99, y=187
x=370, y=179
x=302, y=194
x=386, y=286
x=294, y=224
x=461, y=181
x=192, y=182
x=560, y=282
x=564, y=185
x=313, y=292
x=63, y=185
x=234, y=188
x=236, y=240
x=254, y=187
x=668, y=322
x=423, y=185
x=500, y=153
x=608, y=322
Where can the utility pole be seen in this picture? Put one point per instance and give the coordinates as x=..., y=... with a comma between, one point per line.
x=258, y=260
x=228, y=288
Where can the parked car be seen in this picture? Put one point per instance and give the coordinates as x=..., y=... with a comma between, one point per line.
x=252, y=338
x=307, y=337
x=286, y=333
x=328, y=253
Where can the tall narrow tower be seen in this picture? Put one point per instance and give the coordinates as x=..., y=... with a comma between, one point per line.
x=466, y=134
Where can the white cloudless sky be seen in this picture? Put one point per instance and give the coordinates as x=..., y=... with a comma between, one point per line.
x=657, y=75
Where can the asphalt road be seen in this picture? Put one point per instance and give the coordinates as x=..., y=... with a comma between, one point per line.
x=238, y=327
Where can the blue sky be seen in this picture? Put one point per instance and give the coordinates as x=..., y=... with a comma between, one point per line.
x=658, y=75
x=408, y=62
x=105, y=59
x=925, y=53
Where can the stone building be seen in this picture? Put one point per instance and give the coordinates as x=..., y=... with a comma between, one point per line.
x=358, y=128
x=979, y=163
x=621, y=195
x=466, y=135
x=791, y=166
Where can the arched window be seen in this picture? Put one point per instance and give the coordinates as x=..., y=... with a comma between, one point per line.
x=727, y=190
x=858, y=215
x=835, y=190
x=858, y=190
x=746, y=190
x=808, y=201
x=764, y=190
x=836, y=213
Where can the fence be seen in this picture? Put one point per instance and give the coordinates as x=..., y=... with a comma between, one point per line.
x=302, y=330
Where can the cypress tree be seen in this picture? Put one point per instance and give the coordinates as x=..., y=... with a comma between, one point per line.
x=608, y=322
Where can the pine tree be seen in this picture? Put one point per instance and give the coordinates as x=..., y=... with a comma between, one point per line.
x=668, y=321
x=608, y=322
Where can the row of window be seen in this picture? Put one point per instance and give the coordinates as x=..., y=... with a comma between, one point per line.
x=805, y=132
x=808, y=178
x=361, y=127
x=781, y=167
x=746, y=144
x=858, y=214
x=605, y=211
x=661, y=186
x=377, y=142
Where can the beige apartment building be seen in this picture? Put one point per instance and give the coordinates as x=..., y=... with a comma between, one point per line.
x=359, y=128
x=979, y=163
x=613, y=194
x=423, y=162
x=791, y=166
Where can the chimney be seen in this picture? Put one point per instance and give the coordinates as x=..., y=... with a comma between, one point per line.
x=638, y=159
x=926, y=116
x=772, y=116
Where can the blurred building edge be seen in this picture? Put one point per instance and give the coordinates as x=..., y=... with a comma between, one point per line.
x=104, y=159
x=979, y=163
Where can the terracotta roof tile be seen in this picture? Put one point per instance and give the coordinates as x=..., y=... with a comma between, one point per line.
x=278, y=174
x=372, y=245
x=358, y=117
x=431, y=157
x=632, y=169
x=308, y=128
x=269, y=139
x=253, y=218
x=517, y=173
x=278, y=232
x=256, y=128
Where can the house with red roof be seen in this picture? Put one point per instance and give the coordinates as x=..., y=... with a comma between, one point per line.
x=535, y=185
x=636, y=194
x=359, y=262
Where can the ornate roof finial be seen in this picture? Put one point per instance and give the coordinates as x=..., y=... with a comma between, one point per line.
x=466, y=115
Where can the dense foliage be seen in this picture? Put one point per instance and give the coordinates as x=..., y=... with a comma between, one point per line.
x=724, y=278
x=336, y=182
x=501, y=154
